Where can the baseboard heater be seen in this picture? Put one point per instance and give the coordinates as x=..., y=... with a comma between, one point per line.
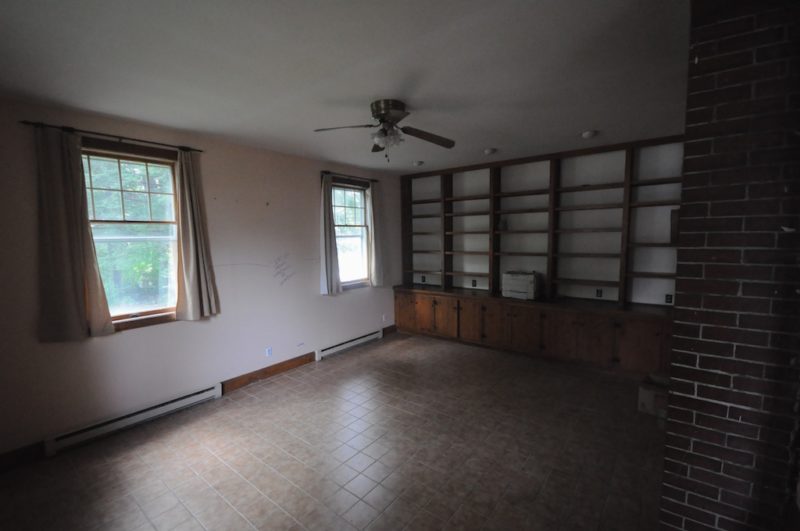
x=350, y=343
x=54, y=444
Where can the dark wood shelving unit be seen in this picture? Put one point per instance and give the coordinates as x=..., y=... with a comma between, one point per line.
x=496, y=226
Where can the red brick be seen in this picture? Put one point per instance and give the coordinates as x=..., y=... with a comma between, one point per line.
x=671, y=492
x=757, y=447
x=769, y=223
x=748, y=272
x=741, y=239
x=701, y=376
x=727, y=426
x=688, y=300
x=685, y=330
x=723, y=482
x=759, y=418
x=729, y=396
x=712, y=408
x=715, y=97
x=774, y=156
x=689, y=270
x=742, y=304
x=763, y=387
x=746, y=74
x=702, y=461
x=735, y=335
x=765, y=322
x=684, y=358
x=771, y=356
x=691, y=239
x=769, y=257
x=689, y=512
x=694, y=210
x=748, y=107
x=710, y=225
x=704, y=317
x=746, y=175
x=775, y=189
x=702, y=347
x=750, y=40
x=749, y=207
x=688, y=485
x=731, y=366
x=786, y=341
x=728, y=127
x=714, y=287
x=719, y=30
x=718, y=508
x=714, y=193
x=773, y=290
x=702, y=115
x=791, y=308
x=714, y=162
x=776, y=51
x=699, y=84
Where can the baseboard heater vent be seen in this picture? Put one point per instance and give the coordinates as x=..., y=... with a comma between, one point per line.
x=350, y=343
x=59, y=442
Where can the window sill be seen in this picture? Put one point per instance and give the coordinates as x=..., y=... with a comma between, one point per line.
x=145, y=320
x=355, y=285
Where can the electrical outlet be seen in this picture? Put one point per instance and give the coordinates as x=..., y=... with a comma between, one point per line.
x=268, y=352
x=423, y=279
x=474, y=283
x=668, y=298
x=598, y=292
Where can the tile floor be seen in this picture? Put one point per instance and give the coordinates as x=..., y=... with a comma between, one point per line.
x=407, y=433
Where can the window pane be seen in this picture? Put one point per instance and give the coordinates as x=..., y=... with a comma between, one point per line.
x=350, y=216
x=160, y=178
x=107, y=205
x=351, y=245
x=105, y=173
x=138, y=264
x=134, y=177
x=338, y=215
x=338, y=196
x=89, y=206
x=359, y=199
x=137, y=207
x=359, y=216
x=350, y=198
x=162, y=207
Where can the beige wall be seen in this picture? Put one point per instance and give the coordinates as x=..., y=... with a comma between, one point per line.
x=261, y=206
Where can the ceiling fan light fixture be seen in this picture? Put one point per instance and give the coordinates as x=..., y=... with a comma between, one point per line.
x=387, y=137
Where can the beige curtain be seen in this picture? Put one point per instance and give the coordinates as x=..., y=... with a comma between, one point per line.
x=197, y=287
x=329, y=257
x=72, y=301
x=375, y=255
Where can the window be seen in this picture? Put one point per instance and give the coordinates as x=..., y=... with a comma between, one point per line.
x=133, y=218
x=352, y=234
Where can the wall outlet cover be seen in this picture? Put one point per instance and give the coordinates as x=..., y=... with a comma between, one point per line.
x=474, y=283
x=423, y=279
x=268, y=352
x=598, y=292
x=668, y=298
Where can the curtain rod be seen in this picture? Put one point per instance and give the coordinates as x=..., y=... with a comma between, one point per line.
x=350, y=176
x=118, y=138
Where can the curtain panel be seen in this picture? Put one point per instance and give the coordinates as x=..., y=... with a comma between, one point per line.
x=375, y=255
x=329, y=257
x=197, y=288
x=72, y=301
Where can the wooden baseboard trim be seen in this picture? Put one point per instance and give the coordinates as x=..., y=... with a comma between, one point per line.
x=21, y=456
x=390, y=329
x=245, y=379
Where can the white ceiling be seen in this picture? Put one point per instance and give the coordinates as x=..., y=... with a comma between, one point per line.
x=525, y=77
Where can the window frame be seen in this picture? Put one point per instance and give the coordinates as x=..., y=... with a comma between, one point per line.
x=345, y=183
x=143, y=154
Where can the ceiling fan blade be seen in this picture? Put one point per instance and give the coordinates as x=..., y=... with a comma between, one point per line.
x=428, y=137
x=376, y=148
x=345, y=127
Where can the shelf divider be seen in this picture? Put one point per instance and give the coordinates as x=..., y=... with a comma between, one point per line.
x=622, y=293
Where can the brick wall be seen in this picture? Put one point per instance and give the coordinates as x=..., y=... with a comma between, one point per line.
x=731, y=443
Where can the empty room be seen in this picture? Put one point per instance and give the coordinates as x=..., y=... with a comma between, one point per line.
x=419, y=265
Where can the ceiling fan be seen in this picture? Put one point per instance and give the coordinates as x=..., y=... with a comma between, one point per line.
x=388, y=113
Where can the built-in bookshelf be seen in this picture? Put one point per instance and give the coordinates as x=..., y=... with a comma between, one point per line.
x=596, y=223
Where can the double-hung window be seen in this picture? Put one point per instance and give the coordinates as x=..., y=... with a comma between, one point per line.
x=132, y=212
x=349, y=203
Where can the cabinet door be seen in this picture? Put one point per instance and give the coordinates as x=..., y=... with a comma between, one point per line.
x=445, y=316
x=558, y=334
x=469, y=320
x=523, y=327
x=594, y=339
x=423, y=310
x=641, y=345
x=493, y=324
x=405, y=311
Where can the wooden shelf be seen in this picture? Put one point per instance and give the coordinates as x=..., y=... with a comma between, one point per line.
x=597, y=206
x=539, y=231
x=589, y=229
x=423, y=272
x=420, y=216
x=653, y=244
x=589, y=255
x=466, y=274
x=459, y=232
x=426, y=233
x=425, y=201
x=654, y=182
x=520, y=253
x=522, y=211
x=586, y=282
x=426, y=252
x=468, y=197
x=647, y=274
x=475, y=253
x=461, y=214
x=668, y=202
x=590, y=187
x=520, y=193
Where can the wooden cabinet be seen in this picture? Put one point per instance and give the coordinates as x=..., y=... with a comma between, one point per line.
x=594, y=335
x=523, y=329
x=481, y=322
x=643, y=344
x=437, y=315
